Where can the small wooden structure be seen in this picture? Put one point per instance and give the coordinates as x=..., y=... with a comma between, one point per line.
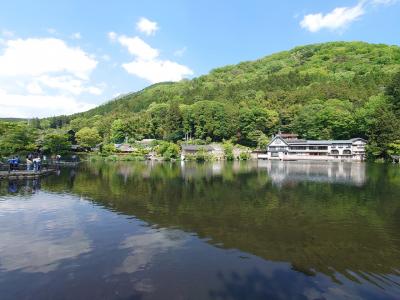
x=20, y=174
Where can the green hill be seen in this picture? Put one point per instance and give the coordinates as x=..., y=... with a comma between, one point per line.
x=332, y=90
x=350, y=71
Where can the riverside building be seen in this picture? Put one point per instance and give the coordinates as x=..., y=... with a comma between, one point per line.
x=289, y=147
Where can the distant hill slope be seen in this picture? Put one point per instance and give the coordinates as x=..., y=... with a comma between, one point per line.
x=13, y=119
x=351, y=71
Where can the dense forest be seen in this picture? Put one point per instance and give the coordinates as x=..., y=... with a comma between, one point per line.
x=335, y=90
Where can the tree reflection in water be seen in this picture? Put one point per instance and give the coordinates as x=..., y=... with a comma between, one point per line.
x=341, y=220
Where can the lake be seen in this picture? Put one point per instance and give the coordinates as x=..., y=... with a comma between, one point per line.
x=242, y=230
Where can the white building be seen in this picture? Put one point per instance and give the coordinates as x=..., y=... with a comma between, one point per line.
x=289, y=147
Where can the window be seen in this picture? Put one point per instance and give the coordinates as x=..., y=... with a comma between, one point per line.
x=318, y=147
x=272, y=148
x=347, y=152
x=298, y=148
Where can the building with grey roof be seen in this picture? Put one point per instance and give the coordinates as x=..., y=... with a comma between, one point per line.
x=289, y=147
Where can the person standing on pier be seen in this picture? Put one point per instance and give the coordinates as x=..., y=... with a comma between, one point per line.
x=29, y=163
x=36, y=163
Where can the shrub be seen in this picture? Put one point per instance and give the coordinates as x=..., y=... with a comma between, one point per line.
x=244, y=156
x=228, y=151
x=262, y=142
x=168, y=150
x=108, y=149
x=202, y=156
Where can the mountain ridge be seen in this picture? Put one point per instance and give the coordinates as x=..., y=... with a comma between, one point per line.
x=334, y=90
x=269, y=68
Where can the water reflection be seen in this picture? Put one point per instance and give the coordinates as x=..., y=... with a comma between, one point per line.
x=333, y=172
x=29, y=186
x=243, y=230
x=144, y=247
x=314, y=225
x=39, y=240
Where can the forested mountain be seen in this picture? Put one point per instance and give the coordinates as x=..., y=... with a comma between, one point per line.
x=351, y=71
x=331, y=90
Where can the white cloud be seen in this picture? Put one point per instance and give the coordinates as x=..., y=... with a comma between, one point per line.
x=148, y=65
x=146, y=26
x=76, y=36
x=42, y=76
x=68, y=84
x=37, y=56
x=339, y=18
x=29, y=105
x=157, y=70
x=138, y=47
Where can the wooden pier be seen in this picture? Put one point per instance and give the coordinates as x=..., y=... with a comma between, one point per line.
x=20, y=174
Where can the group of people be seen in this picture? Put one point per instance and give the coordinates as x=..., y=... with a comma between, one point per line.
x=34, y=162
x=14, y=163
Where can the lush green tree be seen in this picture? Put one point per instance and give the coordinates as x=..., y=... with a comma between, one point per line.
x=378, y=122
x=255, y=121
x=383, y=131
x=228, y=150
x=78, y=123
x=174, y=127
x=44, y=124
x=393, y=91
x=394, y=148
x=59, y=121
x=35, y=123
x=158, y=121
x=56, y=143
x=168, y=150
x=119, y=131
x=88, y=137
x=333, y=119
x=108, y=149
x=263, y=142
x=16, y=137
x=211, y=119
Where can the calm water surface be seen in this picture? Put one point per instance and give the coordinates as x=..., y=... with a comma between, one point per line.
x=257, y=230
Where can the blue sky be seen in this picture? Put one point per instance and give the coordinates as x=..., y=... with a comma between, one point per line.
x=61, y=57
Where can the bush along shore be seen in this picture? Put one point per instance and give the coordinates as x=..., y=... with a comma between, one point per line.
x=168, y=151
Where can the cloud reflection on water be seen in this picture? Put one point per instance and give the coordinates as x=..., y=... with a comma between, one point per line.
x=143, y=248
x=40, y=234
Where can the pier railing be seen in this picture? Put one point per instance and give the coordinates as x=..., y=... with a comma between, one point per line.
x=22, y=167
